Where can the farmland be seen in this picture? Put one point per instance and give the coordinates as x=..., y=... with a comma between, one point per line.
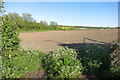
x=37, y=49
x=51, y=40
x=91, y=60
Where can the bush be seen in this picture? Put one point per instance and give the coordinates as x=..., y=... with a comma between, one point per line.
x=10, y=43
x=94, y=60
x=115, y=72
x=7, y=68
x=10, y=40
x=62, y=63
x=115, y=65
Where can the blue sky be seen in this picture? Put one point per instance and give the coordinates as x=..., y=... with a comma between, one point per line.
x=69, y=13
x=61, y=0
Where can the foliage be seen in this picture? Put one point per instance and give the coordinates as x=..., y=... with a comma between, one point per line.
x=115, y=64
x=10, y=43
x=94, y=60
x=53, y=24
x=1, y=11
x=7, y=68
x=10, y=40
x=62, y=63
x=115, y=72
x=1, y=7
x=16, y=18
x=26, y=61
x=26, y=22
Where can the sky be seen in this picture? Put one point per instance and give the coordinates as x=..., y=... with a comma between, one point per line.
x=61, y=0
x=98, y=14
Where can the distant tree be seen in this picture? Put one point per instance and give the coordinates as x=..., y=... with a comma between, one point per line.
x=27, y=17
x=43, y=23
x=13, y=16
x=28, y=21
x=52, y=23
x=16, y=18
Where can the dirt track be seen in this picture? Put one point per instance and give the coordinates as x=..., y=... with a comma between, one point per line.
x=51, y=40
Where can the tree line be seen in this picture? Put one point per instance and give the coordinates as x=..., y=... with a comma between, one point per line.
x=26, y=22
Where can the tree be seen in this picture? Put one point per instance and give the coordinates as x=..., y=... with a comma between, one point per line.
x=16, y=18
x=28, y=21
x=52, y=23
x=43, y=23
x=27, y=17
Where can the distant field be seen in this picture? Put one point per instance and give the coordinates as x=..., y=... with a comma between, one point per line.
x=51, y=40
x=65, y=28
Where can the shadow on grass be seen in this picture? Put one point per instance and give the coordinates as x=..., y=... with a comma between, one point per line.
x=95, y=58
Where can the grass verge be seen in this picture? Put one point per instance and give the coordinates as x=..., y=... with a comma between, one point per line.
x=26, y=61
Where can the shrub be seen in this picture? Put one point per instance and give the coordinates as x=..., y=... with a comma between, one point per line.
x=115, y=72
x=10, y=43
x=115, y=65
x=7, y=68
x=10, y=40
x=62, y=63
x=94, y=59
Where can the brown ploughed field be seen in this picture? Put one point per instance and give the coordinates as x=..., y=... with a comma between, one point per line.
x=52, y=40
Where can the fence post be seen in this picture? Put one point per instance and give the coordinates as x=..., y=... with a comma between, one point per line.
x=83, y=40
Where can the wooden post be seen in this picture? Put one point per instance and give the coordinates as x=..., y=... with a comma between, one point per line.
x=83, y=40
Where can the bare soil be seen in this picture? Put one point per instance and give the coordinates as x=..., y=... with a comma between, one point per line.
x=35, y=74
x=52, y=40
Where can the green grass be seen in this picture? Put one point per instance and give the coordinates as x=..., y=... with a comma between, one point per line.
x=52, y=29
x=27, y=61
x=43, y=30
x=31, y=31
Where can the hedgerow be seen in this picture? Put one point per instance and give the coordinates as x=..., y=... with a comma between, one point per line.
x=10, y=43
x=10, y=40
